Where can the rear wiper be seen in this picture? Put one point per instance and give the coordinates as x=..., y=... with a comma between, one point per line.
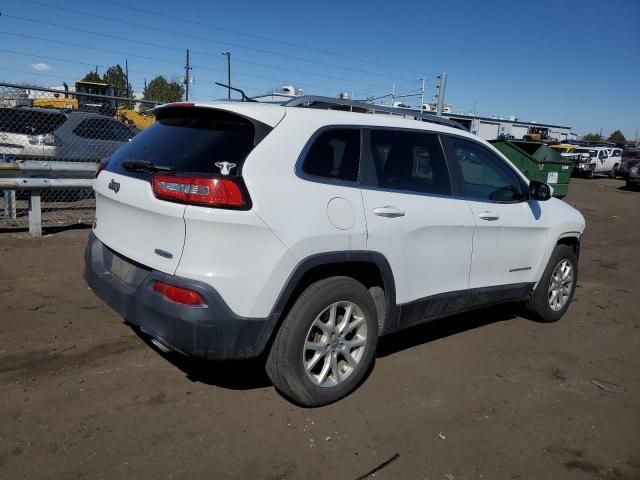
x=145, y=166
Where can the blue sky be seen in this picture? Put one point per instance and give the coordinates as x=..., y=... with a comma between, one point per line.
x=571, y=63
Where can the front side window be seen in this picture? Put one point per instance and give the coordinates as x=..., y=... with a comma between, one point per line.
x=486, y=177
x=335, y=155
x=411, y=161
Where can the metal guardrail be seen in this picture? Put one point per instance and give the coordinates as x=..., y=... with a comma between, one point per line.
x=52, y=140
x=37, y=177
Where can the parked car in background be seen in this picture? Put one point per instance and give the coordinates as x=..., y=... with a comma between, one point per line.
x=582, y=161
x=630, y=157
x=588, y=161
x=41, y=133
x=563, y=148
x=633, y=179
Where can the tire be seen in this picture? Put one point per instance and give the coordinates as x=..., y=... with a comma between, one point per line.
x=289, y=360
x=613, y=173
x=539, y=304
x=589, y=174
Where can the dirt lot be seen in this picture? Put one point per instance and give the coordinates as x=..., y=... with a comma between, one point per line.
x=484, y=395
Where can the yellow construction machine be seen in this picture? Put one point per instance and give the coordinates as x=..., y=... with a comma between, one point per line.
x=107, y=106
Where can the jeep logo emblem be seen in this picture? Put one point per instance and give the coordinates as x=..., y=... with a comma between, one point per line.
x=113, y=185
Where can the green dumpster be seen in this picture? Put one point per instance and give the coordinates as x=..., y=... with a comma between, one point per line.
x=538, y=162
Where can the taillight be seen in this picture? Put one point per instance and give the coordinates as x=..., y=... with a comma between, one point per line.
x=101, y=166
x=213, y=192
x=177, y=294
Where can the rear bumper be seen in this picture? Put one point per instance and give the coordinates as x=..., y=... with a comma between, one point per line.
x=211, y=332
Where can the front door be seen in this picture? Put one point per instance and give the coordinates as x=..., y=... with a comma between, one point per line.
x=510, y=236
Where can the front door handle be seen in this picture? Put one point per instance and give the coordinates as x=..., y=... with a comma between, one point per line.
x=389, y=212
x=489, y=216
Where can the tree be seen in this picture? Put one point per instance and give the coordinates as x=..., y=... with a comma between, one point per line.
x=617, y=137
x=115, y=76
x=592, y=137
x=160, y=90
x=92, y=77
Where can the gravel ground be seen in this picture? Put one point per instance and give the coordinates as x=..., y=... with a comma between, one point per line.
x=483, y=395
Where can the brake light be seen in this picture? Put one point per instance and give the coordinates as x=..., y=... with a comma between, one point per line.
x=177, y=294
x=212, y=192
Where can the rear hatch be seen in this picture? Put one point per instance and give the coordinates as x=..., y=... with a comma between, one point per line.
x=141, y=194
x=26, y=133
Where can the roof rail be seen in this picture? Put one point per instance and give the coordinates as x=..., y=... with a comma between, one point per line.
x=329, y=103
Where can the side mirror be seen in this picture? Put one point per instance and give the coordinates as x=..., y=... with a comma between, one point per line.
x=539, y=191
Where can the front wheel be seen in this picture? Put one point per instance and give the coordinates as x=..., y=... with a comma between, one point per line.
x=326, y=343
x=554, y=292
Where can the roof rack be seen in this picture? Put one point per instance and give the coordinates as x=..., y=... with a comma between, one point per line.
x=314, y=101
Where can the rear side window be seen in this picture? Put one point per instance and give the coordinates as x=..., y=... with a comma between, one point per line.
x=487, y=178
x=103, y=129
x=191, y=140
x=334, y=154
x=29, y=122
x=411, y=161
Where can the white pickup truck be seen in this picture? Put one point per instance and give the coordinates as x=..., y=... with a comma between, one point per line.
x=597, y=160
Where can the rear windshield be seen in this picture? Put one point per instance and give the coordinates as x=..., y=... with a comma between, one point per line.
x=190, y=140
x=29, y=122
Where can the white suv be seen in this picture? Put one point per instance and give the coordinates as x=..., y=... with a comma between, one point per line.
x=229, y=230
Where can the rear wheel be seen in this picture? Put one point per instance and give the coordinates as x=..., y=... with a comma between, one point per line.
x=613, y=173
x=326, y=343
x=554, y=292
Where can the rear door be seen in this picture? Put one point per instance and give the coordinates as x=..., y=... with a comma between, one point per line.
x=414, y=220
x=510, y=235
x=191, y=140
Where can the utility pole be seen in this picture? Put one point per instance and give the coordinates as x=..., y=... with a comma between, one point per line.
x=126, y=74
x=393, y=94
x=187, y=68
x=96, y=69
x=441, y=88
x=422, y=95
x=227, y=54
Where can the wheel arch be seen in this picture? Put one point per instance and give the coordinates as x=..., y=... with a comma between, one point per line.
x=571, y=239
x=369, y=268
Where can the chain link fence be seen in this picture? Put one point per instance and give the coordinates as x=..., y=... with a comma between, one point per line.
x=58, y=125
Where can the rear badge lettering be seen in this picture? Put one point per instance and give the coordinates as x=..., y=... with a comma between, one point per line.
x=225, y=167
x=113, y=185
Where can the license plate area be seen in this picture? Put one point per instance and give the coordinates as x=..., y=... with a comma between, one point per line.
x=122, y=269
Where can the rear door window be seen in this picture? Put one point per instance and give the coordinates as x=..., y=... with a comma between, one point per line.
x=191, y=140
x=103, y=129
x=409, y=161
x=29, y=122
x=334, y=155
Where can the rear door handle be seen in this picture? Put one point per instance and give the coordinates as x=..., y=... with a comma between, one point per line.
x=489, y=216
x=389, y=212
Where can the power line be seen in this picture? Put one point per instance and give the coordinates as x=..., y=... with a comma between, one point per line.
x=39, y=74
x=257, y=37
x=60, y=42
x=158, y=45
x=217, y=42
x=125, y=54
